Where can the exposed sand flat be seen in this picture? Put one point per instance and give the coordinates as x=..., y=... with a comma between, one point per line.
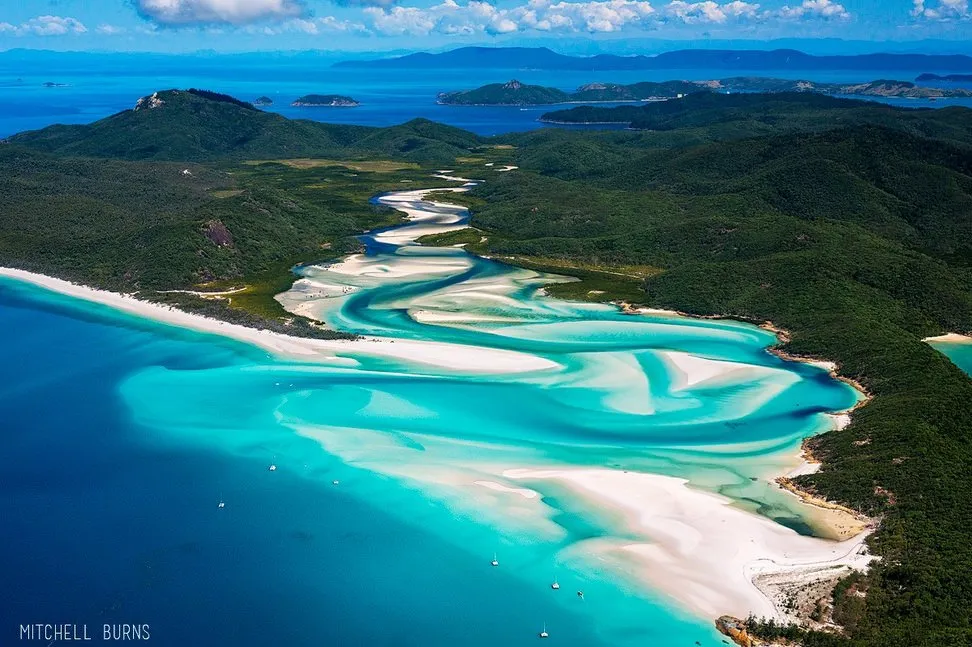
x=499, y=487
x=451, y=357
x=441, y=218
x=693, y=369
x=404, y=267
x=698, y=548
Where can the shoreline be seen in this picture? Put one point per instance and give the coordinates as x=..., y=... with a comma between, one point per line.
x=698, y=548
x=690, y=511
x=949, y=338
x=442, y=355
x=839, y=519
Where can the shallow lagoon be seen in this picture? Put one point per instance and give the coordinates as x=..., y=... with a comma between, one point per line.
x=126, y=433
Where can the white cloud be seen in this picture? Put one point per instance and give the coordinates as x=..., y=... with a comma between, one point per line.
x=45, y=26
x=109, y=30
x=236, y=12
x=592, y=16
x=312, y=26
x=943, y=10
x=475, y=16
x=709, y=11
x=826, y=9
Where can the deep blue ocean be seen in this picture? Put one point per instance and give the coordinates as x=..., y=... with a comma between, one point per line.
x=109, y=521
x=88, y=92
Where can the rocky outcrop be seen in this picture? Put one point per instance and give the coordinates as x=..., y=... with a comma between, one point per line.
x=150, y=102
x=736, y=630
x=217, y=233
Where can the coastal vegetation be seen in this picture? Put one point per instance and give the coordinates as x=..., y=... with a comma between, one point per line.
x=845, y=223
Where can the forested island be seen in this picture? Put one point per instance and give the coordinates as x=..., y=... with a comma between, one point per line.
x=263, y=101
x=325, y=101
x=844, y=222
x=514, y=93
x=511, y=93
x=743, y=110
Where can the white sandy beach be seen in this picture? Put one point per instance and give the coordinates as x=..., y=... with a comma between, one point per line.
x=697, y=547
x=951, y=338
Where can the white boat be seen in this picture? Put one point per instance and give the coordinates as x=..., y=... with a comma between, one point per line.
x=221, y=503
x=544, y=634
x=273, y=465
x=555, y=585
x=495, y=561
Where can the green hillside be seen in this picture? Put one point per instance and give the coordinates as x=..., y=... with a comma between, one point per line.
x=195, y=125
x=511, y=93
x=709, y=116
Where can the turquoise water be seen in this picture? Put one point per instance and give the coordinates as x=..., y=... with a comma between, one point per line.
x=960, y=352
x=386, y=506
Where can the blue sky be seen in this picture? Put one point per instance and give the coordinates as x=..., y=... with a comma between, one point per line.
x=237, y=25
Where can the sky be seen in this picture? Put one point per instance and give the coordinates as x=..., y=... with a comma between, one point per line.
x=379, y=25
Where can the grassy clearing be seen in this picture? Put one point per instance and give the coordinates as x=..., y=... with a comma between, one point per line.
x=226, y=193
x=369, y=166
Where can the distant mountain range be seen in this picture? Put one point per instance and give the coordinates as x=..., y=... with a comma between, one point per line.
x=546, y=59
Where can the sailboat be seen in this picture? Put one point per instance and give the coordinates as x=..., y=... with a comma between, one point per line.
x=495, y=561
x=544, y=634
x=221, y=503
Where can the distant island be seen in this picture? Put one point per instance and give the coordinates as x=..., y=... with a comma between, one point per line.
x=263, y=101
x=946, y=77
x=52, y=84
x=541, y=58
x=731, y=110
x=515, y=93
x=511, y=93
x=325, y=100
x=879, y=88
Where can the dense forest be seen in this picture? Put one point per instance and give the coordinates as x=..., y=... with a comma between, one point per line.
x=848, y=224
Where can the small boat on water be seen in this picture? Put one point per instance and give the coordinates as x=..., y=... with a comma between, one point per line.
x=273, y=465
x=556, y=585
x=495, y=561
x=580, y=594
x=543, y=633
